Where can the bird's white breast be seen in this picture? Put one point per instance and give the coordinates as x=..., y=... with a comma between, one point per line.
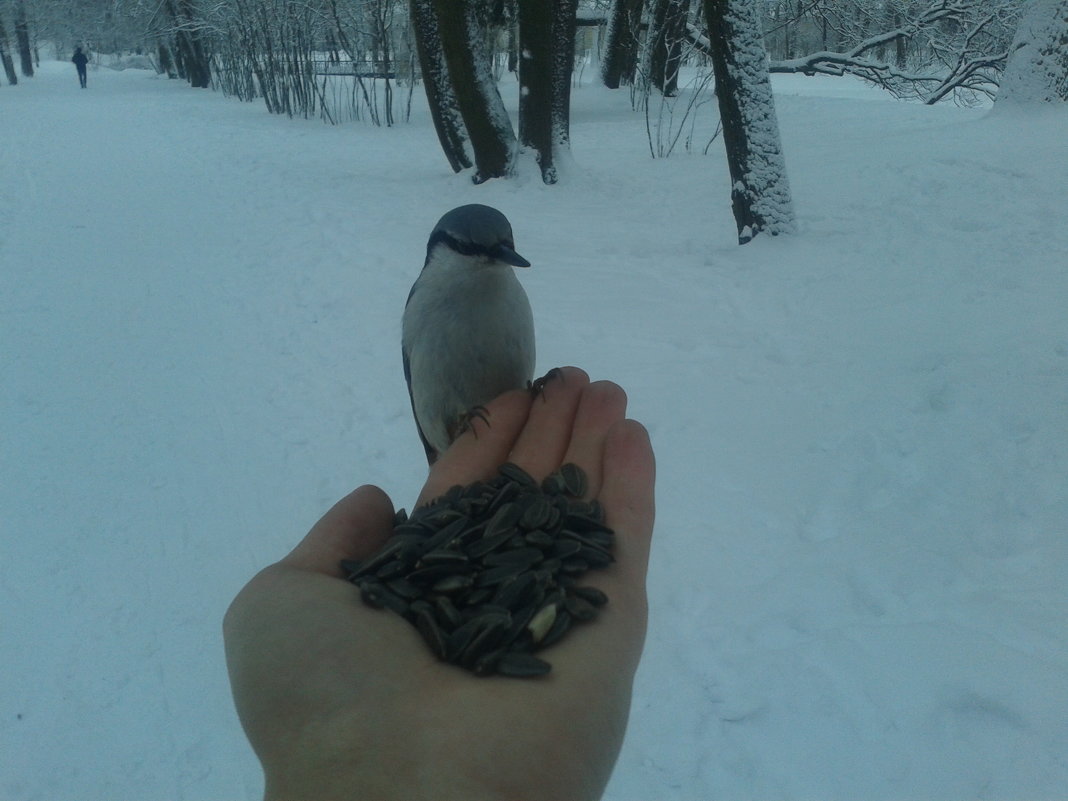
x=468, y=333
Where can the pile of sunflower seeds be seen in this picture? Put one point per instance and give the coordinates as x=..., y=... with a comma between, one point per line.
x=488, y=573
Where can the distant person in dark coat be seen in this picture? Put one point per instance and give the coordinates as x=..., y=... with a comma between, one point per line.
x=80, y=60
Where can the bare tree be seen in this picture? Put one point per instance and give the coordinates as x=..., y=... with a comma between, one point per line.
x=444, y=110
x=760, y=191
x=22, y=36
x=461, y=25
x=547, y=48
x=1037, y=70
x=664, y=44
x=930, y=52
x=5, y=55
x=620, y=61
x=194, y=61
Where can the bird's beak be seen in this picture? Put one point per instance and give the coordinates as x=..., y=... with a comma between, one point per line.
x=505, y=253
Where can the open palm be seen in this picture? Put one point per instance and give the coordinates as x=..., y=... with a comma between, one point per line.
x=342, y=701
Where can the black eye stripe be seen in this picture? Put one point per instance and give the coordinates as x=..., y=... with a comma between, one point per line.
x=466, y=248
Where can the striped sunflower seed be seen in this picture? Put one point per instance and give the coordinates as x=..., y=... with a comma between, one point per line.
x=521, y=665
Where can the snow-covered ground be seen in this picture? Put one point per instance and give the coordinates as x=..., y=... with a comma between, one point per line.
x=859, y=583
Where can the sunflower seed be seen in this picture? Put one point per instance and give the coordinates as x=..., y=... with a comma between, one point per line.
x=574, y=479
x=394, y=547
x=536, y=512
x=392, y=569
x=446, y=612
x=504, y=519
x=442, y=556
x=478, y=596
x=553, y=484
x=503, y=495
x=595, y=557
x=350, y=567
x=591, y=595
x=515, y=663
x=518, y=474
x=488, y=543
x=452, y=583
x=459, y=638
x=580, y=609
x=496, y=575
x=486, y=664
x=589, y=539
x=525, y=557
x=539, y=539
x=514, y=592
x=492, y=630
x=432, y=633
x=378, y=597
x=488, y=573
x=564, y=548
x=434, y=573
x=404, y=588
x=541, y=622
x=411, y=529
x=445, y=535
x=574, y=566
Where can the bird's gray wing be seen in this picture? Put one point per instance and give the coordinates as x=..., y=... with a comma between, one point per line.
x=431, y=454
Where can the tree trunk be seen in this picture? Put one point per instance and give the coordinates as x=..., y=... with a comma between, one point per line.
x=1037, y=69
x=667, y=30
x=444, y=110
x=564, y=28
x=621, y=43
x=760, y=192
x=193, y=58
x=22, y=35
x=470, y=70
x=536, y=82
x=5, y=55
x=547, y=48
x=166, y=63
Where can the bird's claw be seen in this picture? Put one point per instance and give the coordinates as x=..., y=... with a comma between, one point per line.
x=537, y=386
x=464, y=422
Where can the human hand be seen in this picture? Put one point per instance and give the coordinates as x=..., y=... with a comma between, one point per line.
x=341, y=701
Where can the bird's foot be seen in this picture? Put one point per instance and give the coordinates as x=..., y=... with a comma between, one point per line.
x=537, y=386
x=465, y=422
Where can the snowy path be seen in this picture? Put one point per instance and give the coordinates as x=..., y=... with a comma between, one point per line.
x=858, y=587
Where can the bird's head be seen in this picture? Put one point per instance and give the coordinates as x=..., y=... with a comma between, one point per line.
x=478, y=231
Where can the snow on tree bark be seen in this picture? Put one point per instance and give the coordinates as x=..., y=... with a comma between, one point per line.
x=444, y=111
x=564, y=27
x=760, y=191
x=621, y=43
x=535, y=83
x=485, y=117
x=1037, y=69
x=546, y=59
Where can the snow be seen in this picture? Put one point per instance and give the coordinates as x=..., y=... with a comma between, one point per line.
x=859, y=571
x=1038, y=58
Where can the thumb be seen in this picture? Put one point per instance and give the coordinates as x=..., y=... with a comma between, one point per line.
x=353, y=528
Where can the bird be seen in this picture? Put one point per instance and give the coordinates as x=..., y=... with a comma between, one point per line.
x=468, y=329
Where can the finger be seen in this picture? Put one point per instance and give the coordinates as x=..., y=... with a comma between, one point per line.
x=602, y=405
x=543, y=442
x=477, y=453
x=353, y=528
x=628, y=496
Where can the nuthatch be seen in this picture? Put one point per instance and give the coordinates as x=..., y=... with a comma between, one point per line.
x=468, y=332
